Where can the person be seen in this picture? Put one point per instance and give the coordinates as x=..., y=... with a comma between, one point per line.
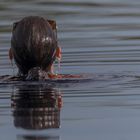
x=34, y=47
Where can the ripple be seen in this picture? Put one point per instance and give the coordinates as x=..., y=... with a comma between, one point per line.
x=99, y=39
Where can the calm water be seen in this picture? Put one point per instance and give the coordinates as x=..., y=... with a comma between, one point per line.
x=100, y=38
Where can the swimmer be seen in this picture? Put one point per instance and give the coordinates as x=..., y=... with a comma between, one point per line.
x=34, y=48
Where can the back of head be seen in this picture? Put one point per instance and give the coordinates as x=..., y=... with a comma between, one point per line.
x=33, y=43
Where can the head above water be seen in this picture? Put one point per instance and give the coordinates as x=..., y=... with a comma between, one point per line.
x=34, y=43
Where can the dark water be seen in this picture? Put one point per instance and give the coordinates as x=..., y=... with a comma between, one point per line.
x=100, y=38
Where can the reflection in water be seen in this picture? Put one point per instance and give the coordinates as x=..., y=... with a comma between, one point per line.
x=36, y=107
x=31, y=137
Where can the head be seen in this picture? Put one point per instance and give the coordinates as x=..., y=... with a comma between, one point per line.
x=34, y=43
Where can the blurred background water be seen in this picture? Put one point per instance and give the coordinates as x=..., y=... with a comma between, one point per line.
x=100, y=38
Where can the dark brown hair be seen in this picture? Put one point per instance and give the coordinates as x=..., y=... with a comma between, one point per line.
x=33, y=43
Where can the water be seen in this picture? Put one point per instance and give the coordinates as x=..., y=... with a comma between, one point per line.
x=99, y=38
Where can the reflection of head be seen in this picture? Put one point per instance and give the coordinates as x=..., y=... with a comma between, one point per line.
x=36, y=108
x=36, y=137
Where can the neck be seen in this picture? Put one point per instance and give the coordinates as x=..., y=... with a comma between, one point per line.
x=36, y=73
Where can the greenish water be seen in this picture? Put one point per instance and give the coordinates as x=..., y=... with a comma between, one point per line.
x=100, y=38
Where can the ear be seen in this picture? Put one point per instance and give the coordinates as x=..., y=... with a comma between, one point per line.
x=11, y=56
x=15, y=25
x=52, y=24
x=58, y=53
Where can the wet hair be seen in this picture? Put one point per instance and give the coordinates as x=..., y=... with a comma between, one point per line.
x=33, y=43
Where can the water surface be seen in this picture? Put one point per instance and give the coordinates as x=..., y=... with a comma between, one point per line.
x=99, y=38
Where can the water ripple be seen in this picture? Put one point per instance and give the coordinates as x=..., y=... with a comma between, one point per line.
x=98, y=38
